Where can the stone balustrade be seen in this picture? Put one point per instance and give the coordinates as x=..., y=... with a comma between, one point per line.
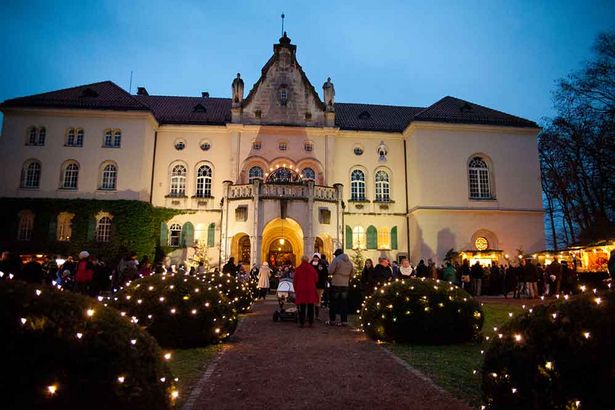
x=285, y=191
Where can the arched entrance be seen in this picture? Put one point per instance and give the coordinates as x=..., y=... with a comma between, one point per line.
x=240, y=248
x=282, y=241
x=323, y=244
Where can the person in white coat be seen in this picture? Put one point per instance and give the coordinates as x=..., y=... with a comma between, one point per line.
x=263, y=280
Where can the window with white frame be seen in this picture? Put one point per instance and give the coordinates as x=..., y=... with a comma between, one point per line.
x=70, y=137
x=31, y=174
x=358, y=237
x=42, y=133
x=357, y=185
x=32, y=136
x=478, y=179
x=79, y=138
x=74, y=137
x=65, y=226
x=255, y=172
x=108, y=140
x=36, y=136
x=383, y=187
x=103, y=229
x=70, y=176
x=112, y=138
x=108, y=177
x=25, y=226
x=178, y=181
x=117, y=138
x=384, y=238
x=175, y=232
x=203, y=182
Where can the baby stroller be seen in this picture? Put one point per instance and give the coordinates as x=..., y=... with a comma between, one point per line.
x=286, y=298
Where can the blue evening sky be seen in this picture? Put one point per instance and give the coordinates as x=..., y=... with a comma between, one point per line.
x=503, y=54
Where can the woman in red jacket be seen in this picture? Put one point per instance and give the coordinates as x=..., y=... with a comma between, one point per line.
x=306, y=296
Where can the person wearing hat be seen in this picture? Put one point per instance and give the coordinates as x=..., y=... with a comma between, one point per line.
x=84, y=273
x=341, y=269
x=323, y=274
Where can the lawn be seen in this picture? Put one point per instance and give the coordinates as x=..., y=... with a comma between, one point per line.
x=188, y=364
x=452, y=366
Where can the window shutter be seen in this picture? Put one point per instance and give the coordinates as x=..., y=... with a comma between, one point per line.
x=394, y=237
x=164, y=234
x=211, y=234
x=348, y=237
x=187, y=235
x=372, y=237
x=53, y=228
x=91, y=228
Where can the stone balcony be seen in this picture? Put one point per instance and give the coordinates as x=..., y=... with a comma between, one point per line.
x=285, y=191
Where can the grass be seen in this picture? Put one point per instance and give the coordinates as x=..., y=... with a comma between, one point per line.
x=187, y=364
x=451, y=366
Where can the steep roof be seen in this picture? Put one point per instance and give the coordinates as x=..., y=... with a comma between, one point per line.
x=454, y=110
x=107, y=95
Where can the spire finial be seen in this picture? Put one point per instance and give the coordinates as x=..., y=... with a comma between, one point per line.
x=282, y=23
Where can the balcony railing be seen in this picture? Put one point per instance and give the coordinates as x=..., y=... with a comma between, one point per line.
x=283, y=191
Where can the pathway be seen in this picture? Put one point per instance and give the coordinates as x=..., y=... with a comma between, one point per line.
x=279, y=365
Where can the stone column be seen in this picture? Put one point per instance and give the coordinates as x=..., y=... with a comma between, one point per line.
x=224, y=244
x=256, y=237
x=308, y=240
x=338, y=240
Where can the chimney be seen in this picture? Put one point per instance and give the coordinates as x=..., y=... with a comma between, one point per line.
x=142, y=91
x=205, y=94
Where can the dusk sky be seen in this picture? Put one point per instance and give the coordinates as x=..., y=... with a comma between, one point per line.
x=503, y=54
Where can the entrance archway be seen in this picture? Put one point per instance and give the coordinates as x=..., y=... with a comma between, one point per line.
x=323, y=244
x=282, y=239
x=240, y=248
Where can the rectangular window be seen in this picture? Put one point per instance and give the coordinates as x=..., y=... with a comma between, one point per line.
x=241, y=213
x=324, y=216
x=384, y=238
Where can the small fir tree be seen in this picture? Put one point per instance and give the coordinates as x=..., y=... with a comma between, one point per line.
x=200, y=255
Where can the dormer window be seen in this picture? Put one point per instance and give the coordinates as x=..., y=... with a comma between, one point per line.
x=364, y=116
x=199, y=108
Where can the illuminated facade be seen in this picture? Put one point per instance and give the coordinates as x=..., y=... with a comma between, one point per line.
x=283, y=171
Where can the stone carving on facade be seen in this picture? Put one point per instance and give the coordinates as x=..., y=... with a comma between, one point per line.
x=329, y=94
x=382, y=151
x=237, y=88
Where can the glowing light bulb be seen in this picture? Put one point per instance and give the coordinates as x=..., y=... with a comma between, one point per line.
x=52, y=389
x=38, y=292
x=518, y=337
x=90, y=312
x=167, y=356
x=174, y=394
x=586, y=335
x=121, y=379
x=163, y=379
x=549, y=366
x=133, y=341
x=79, y=335
x=23, y=320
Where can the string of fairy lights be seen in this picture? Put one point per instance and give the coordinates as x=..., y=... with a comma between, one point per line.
x=225, y=284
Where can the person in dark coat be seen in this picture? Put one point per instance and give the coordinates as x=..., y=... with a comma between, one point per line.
x=32, y=272
x=367, y=275
x=382, y=272
x=230, y=267
x=323, y=275
x=422, y=270
x=531, y=278
x=476, y=273
x=306, y=296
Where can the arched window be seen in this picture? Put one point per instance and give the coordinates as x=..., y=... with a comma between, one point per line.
x=103, y=229
x=117, y=138
x=478, y=178
x=42, y=133
x=211, y=234
x=394, y=237
x=178, y=181
x=383, y=187
x=70, y=176
x=175, y=232
x=357, y=185
x=384, y=238
x=108, y=141
x=108, y=177
x=32, y=136
x=203, y=182
x=79, y=139
x=26, y=225
x=372, y=237
x=31, y=174
x=65, y=226
x=70, y=137
x=255, y=172
x=358, y=237
x=308, y=173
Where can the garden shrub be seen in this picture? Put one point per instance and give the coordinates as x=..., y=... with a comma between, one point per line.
x=50, y=341
x=422, y=311
x=356, y=293
x=178, y=310
x=237, y=292
x=558, y=356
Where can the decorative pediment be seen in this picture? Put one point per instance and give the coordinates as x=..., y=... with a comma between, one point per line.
x=283, y=95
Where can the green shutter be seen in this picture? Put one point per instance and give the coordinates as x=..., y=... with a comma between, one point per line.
x=187, y=235
x=372, y=237
x=348, y=237
x=394, y=237
x=211, y=234
x=91, y=228
x=53, y=228
x=164, y=234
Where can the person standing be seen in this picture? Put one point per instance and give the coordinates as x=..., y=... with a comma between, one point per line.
x=306, y=296
x=554, y=272
x=31, y=272
x=382, y=272
x=405, y=270
x=263, y=280
x=366, y=276
x=449, y=274
x=531, y=275
x=85, y=273
x=230, y=267
x=476, y=273
x=341, y=269
x=323, y=275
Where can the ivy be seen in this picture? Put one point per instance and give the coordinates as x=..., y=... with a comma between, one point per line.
x=135, y=227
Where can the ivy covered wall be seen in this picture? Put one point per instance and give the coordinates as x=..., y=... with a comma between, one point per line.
x=135, y=226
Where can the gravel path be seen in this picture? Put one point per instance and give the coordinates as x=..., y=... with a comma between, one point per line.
x=279, y=365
